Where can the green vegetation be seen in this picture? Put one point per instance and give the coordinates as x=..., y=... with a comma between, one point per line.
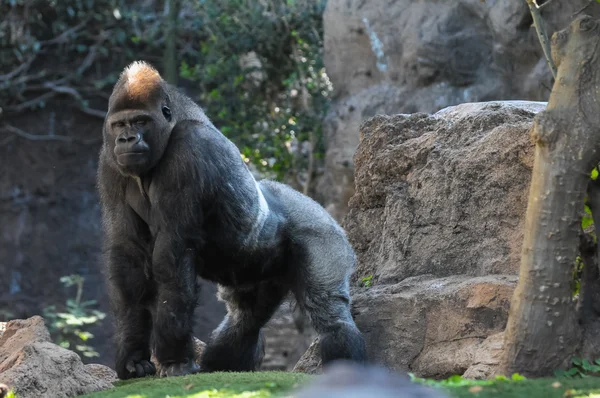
x=279, y=384
x=209, y=385
x=255, y=66
x=68, y=325
x=581, y=368
x=538, y=388
x=517, y=387
x=367, y=281
x=262, y=78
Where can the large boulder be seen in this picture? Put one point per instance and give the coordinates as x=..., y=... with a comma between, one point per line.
x=422, y=56
x=442, y=194
x=437, y=222
x=434, y=327
x=32, y=366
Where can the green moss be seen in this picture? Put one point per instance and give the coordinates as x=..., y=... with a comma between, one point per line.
x=277, y=384
x=531, y=388
x=208, y=385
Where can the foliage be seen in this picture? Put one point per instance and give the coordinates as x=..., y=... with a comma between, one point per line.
x=262, y=77
x=577, y=275
x=5, y=315
x=517, y=386
x=68, y=326
x=256, y=66
x=587, y=221
x=459, y=381
x=581, y=368
x=367, y=281
x=587, y=225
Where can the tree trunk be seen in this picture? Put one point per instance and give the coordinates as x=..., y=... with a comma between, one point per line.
x=543, y=331
x=170, y=56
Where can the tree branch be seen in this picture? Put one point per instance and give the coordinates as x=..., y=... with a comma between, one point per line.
x=24, y=66
x=63, y=37
x=34, y=137
x=54, y=91
x=541, y=33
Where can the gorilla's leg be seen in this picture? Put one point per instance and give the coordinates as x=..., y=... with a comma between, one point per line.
x=172, y=337
x=323, y=292
x=237, y=344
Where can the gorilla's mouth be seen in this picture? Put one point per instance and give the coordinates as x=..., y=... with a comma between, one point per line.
x=131, y=158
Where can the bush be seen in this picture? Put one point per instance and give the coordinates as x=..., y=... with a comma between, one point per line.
x=257, y=65
x=262, y=78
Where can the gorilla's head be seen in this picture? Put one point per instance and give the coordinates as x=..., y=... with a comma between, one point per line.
x=139, y=121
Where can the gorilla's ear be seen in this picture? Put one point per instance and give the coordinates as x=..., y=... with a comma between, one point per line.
x=166, y=111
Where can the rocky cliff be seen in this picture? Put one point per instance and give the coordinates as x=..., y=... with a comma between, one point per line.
x=422, y=56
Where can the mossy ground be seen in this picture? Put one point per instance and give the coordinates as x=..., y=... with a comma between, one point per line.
x=208, y=385
x=279, y=384
x=588, y=387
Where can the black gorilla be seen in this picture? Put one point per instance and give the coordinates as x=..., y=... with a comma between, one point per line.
x=178, y=202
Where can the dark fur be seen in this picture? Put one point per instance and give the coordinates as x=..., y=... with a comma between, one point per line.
x=190, y=214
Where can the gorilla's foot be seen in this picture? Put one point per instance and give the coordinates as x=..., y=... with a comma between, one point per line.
x=178, y=369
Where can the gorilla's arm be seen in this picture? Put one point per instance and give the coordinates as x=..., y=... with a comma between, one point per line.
x=173, y=268
x=127, y=266
x=177, y=199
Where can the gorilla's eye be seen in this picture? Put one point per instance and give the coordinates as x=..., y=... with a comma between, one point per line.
x=119, y=124
x=166, y=113
x=141, y=122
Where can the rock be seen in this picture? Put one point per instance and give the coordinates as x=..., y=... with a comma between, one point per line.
x=32, y=366
x=354, y=381
x=287, y=336
x=310, y=362
x=487, y=358
x=102, y=372
x=20, y=332
x=435, y=327
x=337, y=185
x=444, y=54
x=199, y=347
x=436, y=221
x=442, y=194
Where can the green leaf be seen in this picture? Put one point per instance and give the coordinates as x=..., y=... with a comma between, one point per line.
x=594, y=173
x=586, y=221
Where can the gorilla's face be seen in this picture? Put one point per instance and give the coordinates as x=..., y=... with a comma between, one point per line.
x=138, y=137
x=139, y=121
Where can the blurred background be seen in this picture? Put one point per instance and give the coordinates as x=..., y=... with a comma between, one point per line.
x=288, y=81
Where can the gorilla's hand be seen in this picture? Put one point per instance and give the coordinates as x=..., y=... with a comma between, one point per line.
x=135, y=365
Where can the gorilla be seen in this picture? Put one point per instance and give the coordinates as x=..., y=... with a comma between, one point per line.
x=178, y=203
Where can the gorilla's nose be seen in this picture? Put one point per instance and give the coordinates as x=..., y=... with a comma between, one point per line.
x=128, y=140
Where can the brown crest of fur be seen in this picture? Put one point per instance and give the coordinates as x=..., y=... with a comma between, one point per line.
x=141, y=80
